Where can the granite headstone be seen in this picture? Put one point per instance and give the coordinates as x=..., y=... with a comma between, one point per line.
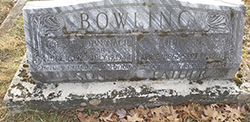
x=108, y=40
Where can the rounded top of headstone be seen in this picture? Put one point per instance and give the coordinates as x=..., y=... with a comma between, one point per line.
x=60, y=3
x=217, y=2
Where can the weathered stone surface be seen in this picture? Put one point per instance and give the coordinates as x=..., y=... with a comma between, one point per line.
x=25, y=95
x=107, y=40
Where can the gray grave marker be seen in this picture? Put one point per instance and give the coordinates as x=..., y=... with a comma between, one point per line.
x=163, y=41
x=133, y=40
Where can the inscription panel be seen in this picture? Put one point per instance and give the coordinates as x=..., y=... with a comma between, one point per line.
x=122, y=40
x=88, y=49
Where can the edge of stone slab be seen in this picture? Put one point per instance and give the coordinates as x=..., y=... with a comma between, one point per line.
x=25, y=95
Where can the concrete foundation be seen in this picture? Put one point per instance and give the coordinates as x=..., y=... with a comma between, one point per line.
x=24, y=94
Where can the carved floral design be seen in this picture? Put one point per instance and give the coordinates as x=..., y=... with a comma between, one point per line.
x=45, y=25
x=52, y=43
x=51, y=23
x=217, y=21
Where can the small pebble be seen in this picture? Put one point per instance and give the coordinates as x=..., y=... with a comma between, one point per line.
x=25, y=65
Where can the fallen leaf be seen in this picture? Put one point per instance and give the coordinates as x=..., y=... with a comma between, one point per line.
x=121, y=113
x=142, y=111
x=159, y=119
x=173, y=117
x=203, y=118
x=210, y=112
x=134, y=118
x=90, y=119
x=214, y=120
x=221, y=117
x=108, y=118
x=81, y=116
x=243, y=110
x=123, y=120
x=96, y=114
x=161, y=111
x=132, y=112
x=234, y=112
x=233, y=120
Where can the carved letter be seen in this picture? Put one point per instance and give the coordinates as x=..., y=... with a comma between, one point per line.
x=123, y=20
x=160, y=75
x=184, y=18
x=136, y=26
x=150, y=20
x=166, y=19
x=164, y=75
x=84, y=20
x=97, y=20
x=202, y=74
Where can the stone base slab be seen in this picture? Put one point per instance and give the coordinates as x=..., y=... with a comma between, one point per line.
x=24, y=94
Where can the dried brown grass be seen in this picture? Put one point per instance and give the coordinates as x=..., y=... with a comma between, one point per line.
x=5, y=7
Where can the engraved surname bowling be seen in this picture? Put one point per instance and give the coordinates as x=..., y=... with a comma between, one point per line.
x=103, y=20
